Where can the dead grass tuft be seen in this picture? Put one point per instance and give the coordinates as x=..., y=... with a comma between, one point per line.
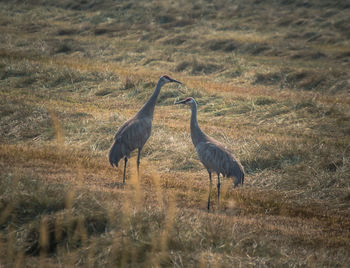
x=268, y=79
x=302, y=80
x=128, y=83
x=197, y=67
x=227, y=45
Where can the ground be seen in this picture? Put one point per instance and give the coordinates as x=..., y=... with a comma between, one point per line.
x=271, y=79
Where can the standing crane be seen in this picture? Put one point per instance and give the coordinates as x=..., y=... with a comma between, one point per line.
x=134, y=133
x=213, y=155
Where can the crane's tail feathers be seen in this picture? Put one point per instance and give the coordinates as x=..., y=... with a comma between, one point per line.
x=115, y=154
x=112, y=164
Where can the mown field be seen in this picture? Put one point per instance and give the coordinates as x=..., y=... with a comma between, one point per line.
x=272, y=82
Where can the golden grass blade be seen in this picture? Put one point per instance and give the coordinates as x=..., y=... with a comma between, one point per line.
x=58, y=128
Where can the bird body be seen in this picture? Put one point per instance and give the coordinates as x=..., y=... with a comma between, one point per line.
x=134, y=133
x=213, y=155
x=220, y=160
x=136, y=130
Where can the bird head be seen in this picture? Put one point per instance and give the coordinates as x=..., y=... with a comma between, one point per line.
x=188, y=101
x=166, y=79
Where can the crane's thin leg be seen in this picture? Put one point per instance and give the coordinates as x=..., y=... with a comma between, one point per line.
x=138, y=160
x=219, y=188
x=210, y=185
x=125, y=161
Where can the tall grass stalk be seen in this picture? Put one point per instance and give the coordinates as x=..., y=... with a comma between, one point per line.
x=58, y=128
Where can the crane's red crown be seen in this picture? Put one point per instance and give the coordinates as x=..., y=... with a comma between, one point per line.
x=166, y=76
x=188, y=99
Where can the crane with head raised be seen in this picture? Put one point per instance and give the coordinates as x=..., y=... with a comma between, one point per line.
x=213, y=155
x=134, y=133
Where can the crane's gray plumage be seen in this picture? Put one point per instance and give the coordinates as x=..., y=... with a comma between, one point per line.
x=134, y=133
x=214, y=156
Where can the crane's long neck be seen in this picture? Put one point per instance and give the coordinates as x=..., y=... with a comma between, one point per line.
x=148, y=108
x=196, y=133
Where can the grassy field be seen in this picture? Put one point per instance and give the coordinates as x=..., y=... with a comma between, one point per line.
x=272, y=82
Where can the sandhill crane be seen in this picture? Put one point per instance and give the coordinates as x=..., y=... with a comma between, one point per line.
x=213, y=155
x=134, y=133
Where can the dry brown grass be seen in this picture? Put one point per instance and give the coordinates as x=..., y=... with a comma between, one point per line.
x=271, y=82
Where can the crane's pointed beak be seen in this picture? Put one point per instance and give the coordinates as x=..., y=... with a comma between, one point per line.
x=175, y=81
x=180, y=102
